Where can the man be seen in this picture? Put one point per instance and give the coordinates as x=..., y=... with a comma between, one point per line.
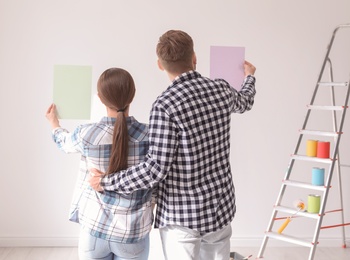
x=189, y=155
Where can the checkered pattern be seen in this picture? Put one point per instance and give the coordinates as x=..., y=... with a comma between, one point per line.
x=189, y=153
x=107, y=215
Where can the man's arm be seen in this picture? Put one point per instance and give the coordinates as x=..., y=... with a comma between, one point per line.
x=141, y=176
x=244, y=99
x=163, y=144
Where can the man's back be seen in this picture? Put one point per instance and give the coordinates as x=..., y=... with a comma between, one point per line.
x=190, y=133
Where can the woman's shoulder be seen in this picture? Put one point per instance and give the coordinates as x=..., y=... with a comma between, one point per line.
x=138, y=130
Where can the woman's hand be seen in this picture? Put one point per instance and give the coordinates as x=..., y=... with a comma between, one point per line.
x=51, y=115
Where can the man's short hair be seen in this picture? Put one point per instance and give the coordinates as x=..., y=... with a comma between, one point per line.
x=175, y=51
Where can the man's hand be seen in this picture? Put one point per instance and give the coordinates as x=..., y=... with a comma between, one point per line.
x=249, y=68
x=95, y=178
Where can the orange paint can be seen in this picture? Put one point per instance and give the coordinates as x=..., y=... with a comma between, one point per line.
x=311, y=148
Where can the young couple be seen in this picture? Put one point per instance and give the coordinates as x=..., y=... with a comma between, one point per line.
x=180, y=161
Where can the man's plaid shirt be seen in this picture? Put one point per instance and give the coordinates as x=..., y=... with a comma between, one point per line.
x=189, y=156
x=107, y=215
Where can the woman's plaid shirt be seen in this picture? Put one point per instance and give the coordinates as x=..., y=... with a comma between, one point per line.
x=189, y=156
x=107, y=215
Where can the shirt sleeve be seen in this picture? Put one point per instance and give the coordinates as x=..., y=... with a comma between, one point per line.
x=243, y=100
x=66, y=141
x=163, y=144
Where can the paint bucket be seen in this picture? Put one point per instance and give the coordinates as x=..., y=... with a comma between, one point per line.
x=314, y=203
x=311, y=148
x=317, y=176
x=323, y=149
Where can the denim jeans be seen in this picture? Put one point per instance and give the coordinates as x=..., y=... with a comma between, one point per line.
x=187, y=244
x=91, y=247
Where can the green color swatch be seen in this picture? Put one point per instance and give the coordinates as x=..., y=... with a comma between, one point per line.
x=72, y=91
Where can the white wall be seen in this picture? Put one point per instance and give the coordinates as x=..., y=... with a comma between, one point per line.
x=286, y=40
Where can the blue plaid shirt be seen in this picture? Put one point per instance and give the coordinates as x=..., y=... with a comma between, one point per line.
x=107, y=215
x=189, y=156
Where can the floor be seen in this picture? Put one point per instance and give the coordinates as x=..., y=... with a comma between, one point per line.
x=275, y=253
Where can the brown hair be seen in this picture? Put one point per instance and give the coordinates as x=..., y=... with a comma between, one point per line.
x=116, y=89
x=175, y=51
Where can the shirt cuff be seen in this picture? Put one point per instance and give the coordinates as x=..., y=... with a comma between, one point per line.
x=54, y=130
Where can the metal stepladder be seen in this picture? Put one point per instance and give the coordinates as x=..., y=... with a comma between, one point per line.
x=332, y=163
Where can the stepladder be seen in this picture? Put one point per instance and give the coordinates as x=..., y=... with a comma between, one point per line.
x=311, y=193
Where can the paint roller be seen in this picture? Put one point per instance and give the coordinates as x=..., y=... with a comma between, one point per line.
x=300, y=205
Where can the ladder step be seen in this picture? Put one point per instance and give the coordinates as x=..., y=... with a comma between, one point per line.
x=289, y=239
x=311, y=159
x=319, y=133
x=303, y=185
x=333, y=84
x=332, y=108
x=293, y=211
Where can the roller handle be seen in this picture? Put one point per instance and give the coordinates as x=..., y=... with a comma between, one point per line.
x=284, y=225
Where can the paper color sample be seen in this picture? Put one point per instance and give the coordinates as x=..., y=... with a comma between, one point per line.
x=227, y=63
x=72, y=91
x=98, y=109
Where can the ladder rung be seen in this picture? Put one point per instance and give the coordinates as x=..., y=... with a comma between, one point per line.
x=319, y=133
x=312, y=159
x=289, y=239
x=333, y=84
x=303, y=185
x=334, y=226
x=333, y=108
x=294, y=211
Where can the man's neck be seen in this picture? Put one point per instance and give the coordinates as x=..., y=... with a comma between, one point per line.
x=172, y=76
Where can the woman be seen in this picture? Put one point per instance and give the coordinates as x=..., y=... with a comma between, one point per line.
x=113, y=226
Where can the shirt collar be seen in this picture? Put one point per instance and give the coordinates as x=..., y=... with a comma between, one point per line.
x=189, y=75
x=111, y=120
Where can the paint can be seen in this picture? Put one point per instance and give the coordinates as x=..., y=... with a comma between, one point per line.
x=314, y=203
x=323, y=149
x=317, y=176
x=311, y=148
